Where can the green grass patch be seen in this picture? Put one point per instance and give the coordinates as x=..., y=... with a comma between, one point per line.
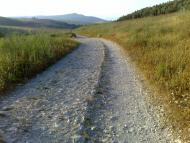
x=22, y=56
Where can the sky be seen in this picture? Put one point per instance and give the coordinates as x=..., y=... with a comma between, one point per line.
x=107, y=9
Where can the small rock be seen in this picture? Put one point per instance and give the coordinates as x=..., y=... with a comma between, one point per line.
x=13, y=129
x=56, y=125
x=111, y=127
x=183, y=95
x=169, y=135
x=114, y=118
x=78, y=139
x=125, y=129
x=92, y=128
x=131, y=130
x=3, y=113
x=177, y=141
x=161, y=110
x=176, y=102
x=104, y=140
x=7, y=108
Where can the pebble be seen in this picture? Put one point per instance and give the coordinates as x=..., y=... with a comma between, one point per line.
x=55, y=125
x=8, y=108
x=92, y=128
x=178, y=141
x=13, y=129
x=78, y=139
x=125, y=126
x=176, y=101
x=131, y=130
x=3, y=113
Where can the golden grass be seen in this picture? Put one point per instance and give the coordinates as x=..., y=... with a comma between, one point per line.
x=160, y=46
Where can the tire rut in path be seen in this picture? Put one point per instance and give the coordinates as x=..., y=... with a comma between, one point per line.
x=93, y=126
x=118, y=111
x=50, y=108
x=92, y=95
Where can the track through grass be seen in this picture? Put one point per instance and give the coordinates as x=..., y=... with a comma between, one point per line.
x=160, y=46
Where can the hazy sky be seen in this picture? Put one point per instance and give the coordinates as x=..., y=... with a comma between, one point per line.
x=102, y=8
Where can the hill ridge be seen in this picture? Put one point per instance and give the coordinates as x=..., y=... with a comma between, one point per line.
x=35, y=23
x=160, y=9
x=72, y=18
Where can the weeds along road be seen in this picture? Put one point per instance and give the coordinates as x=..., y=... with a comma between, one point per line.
x=92, y=95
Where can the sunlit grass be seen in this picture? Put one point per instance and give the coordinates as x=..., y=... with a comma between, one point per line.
x=160, y=46
x=22, y=56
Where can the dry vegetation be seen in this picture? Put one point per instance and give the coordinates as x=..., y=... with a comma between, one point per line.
x=160, y=46
x=22, y=56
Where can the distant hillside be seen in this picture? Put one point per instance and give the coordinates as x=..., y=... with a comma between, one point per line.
x=165, y=8
x=7, y=30
x=74, y=19
x=35, y=23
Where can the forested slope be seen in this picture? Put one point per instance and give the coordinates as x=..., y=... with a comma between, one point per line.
x=165, y=8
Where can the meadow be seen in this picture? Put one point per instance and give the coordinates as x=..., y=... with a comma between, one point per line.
x=24, y=54
x=160, y=48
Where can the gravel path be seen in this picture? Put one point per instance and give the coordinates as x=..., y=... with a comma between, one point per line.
x=92, y=95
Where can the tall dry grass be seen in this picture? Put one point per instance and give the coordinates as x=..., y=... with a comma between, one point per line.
x=22, y=56
x=160, y=46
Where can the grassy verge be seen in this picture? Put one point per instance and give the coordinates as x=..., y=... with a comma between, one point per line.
x=160, y=46
x=22, y=56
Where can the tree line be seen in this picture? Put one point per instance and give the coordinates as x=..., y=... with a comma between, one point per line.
x=165, y=8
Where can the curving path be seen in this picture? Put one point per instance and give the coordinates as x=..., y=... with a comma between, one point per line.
x=91, y=95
